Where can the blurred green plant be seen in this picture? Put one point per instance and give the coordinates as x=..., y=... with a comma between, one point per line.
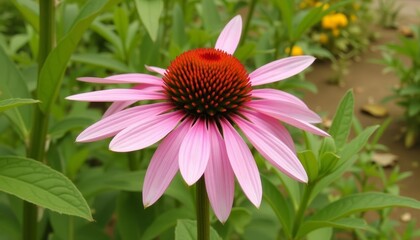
x=407, y=93
x=388, y=13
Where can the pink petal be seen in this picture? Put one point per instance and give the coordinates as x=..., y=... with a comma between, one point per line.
x=300, y=124
x=111, y=125
x=271, y=125
x=274, y=150
x=116, y=107
x=229, y=38
x=164, y=165
x=194, y=152
x=219, y=178
x=273, y=94
x=243, y=163
x=145, y=133
x=125, y=78
x=159, y=70
x=113, y=95
x=280, y=69
x=279, y=109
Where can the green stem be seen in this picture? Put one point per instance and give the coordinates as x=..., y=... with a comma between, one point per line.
x=292, y=44
x=302, y=208
x=203, y=219
x=248, y=20
x=37, y=143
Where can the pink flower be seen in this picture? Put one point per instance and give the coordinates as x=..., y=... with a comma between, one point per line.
x=200, y=98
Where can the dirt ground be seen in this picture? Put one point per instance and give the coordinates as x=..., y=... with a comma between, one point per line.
x=370, y=85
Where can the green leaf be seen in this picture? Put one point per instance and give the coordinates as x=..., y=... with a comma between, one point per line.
x=29, y=10
x=322, y=233
x=239, y=218
x=347, y=159
x=96, y=181
x=187, y=230
x=178, y=27
x=39, y=184
x=287, y=13
x=12, y=85
x=310, y=163
x=102, y=61
x=149, y=12
x=361, y=202
x=121, y=22
x=53, y=69
x=165, y=221
x=279, y=204
x=62, y=127
x=346, y=223
x=210, y=15
x=9, y=224
x=15, y=102
x=341, y=124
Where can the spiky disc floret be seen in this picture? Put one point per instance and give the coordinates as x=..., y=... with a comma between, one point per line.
x=207, y=83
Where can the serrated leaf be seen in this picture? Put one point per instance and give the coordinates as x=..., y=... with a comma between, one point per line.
x=361, y=202
x=187, y=230
x=15, y=102
x=149, y=12
x=50, y=76
x=341, y=124
x=37, y=183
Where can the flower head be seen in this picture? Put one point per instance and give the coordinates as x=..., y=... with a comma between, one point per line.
x=200, y=100
x=296, y=51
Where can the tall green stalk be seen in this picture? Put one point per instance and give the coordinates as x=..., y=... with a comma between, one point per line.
x=37, y=143
x=248, y=19
x=302, y=208
x=203, y=218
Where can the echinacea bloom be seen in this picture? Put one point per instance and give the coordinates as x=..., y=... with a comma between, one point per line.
x=198, y=101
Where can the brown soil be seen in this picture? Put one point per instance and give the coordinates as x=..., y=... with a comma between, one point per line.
x=370, y=85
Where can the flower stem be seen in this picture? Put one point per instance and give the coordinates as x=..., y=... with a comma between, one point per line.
x=302, y=208
x=38, y=136
x=248, y=19
x=203, y=219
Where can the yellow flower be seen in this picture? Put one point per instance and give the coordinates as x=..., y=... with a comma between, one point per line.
x=323, y=38
x=335, y=32
x=341, y=19
x=296, y=51
x=353, y=18
x=328, y=22
x=356, y=6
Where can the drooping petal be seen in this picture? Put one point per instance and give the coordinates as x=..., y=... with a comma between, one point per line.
x=272, y=125
x=164, y=165
x=280, y=69
x=219, y=178
x=279, y=109
x=273, y=94
x=145, y=133
x=243, y=163
x=111, y=125
x=159, y=70
x=194, y=152
x=229, y=38
x=125, y=78
x=297, y=123
x=274, y=150
x=113, y=95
